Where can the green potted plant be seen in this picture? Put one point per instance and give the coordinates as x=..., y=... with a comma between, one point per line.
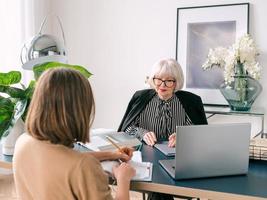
x=14, y=101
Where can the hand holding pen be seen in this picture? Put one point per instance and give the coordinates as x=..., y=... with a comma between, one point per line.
x=123, y=153
x=124, y=171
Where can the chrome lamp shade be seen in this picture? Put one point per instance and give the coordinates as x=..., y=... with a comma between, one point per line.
x=43, y=48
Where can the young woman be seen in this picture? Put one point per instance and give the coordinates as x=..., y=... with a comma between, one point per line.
x=45, y=164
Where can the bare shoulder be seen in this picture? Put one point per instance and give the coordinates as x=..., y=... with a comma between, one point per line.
x=24, y=139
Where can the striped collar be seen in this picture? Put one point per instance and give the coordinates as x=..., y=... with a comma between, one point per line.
x=164, y=101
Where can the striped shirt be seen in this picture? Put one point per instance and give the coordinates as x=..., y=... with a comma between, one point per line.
x=161, y=117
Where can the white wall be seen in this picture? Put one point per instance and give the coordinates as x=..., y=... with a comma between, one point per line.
x=11, y=34
x=119, y=40
x=20, y=20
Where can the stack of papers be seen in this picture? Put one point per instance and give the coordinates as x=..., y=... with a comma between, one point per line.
x=100, y=143
x=96, y=142
x=143, y=169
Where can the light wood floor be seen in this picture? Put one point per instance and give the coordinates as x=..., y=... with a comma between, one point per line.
x=7, y=188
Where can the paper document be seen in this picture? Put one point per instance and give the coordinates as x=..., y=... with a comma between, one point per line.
x=137, y=156
x=143, y=169
x=96, y=142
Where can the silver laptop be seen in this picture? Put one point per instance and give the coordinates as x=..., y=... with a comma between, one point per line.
x=210, y=150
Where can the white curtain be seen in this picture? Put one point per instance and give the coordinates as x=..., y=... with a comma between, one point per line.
x=17, y=25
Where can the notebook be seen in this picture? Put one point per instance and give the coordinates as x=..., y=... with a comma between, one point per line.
x=143, y=169
x=163, y=147
x=210, y=150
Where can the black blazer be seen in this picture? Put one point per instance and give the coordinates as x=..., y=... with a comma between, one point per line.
x=192, y=104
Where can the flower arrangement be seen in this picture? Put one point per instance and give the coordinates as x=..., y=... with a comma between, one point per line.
x=243, y=51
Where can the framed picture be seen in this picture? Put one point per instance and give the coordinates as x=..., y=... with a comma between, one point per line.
x=199, y=29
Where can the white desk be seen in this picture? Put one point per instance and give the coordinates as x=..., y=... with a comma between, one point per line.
x=222, y=110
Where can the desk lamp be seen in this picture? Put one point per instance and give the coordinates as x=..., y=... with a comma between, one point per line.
x=43, y=48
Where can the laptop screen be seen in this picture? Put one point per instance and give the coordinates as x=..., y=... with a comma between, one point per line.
x=212, y=150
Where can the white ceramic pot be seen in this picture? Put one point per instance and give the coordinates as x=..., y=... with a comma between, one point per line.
x=8, y=142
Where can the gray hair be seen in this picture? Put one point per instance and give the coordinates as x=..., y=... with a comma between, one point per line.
x=167, y=67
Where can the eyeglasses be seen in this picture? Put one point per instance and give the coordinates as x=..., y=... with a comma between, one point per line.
x=167, y=83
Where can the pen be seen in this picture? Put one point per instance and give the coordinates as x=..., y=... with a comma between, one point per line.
x=113, y=143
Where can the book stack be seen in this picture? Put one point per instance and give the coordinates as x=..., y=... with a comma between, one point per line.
x=258, y=149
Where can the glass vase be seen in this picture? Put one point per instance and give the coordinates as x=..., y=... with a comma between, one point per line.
x=242, y=92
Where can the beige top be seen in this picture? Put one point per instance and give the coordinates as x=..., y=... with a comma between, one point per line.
x=47, y=171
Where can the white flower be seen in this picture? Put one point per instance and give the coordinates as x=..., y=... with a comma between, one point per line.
x=215, y=57
x=246, y=49
x=243, y=51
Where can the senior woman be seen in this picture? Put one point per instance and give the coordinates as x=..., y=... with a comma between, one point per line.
x=153, y=114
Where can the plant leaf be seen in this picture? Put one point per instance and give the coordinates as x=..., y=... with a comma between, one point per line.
x=6, y=111
x=30, y=89
x=12, y=91
x=39, y=69
x=18, y=111
x=28, y=92
x=10, y=78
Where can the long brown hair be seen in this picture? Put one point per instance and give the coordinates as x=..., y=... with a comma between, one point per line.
x=62, y=108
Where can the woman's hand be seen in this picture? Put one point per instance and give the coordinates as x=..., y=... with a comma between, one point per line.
x=124, y=154
x=123, y=172
x=172, y=140
x=150, y=138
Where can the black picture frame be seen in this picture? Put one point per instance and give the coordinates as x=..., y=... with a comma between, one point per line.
x=199, y=29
